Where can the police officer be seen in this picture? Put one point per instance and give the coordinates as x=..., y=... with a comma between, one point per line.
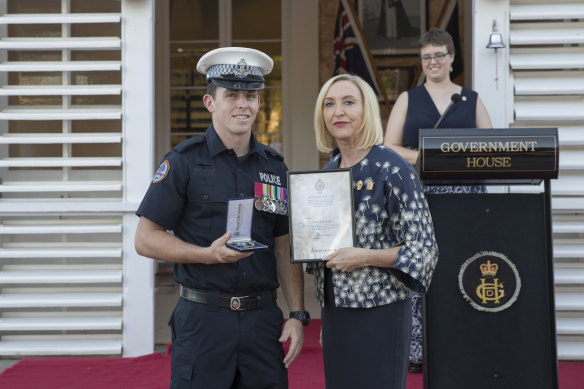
x=226, y=327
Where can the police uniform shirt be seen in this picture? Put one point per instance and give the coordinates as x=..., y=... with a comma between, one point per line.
x=189, y=196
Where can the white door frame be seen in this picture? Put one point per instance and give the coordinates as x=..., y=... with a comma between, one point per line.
x=138, y=159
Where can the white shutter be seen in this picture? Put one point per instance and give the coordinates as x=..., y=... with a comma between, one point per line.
x=546, y=60
x=66, y=226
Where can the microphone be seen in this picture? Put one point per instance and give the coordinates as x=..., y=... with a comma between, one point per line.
x=455, y=98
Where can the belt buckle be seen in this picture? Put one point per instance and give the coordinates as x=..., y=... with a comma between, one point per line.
x=235, y=303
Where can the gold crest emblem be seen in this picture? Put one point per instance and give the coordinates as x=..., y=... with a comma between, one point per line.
x=489, y=281
x=490, y=290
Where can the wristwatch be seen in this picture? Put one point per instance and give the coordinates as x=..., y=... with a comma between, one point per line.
x=303, y=316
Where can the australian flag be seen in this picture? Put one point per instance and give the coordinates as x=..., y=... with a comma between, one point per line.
x=349, y=48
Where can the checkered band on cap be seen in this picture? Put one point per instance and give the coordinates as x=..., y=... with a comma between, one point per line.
x=240, y=70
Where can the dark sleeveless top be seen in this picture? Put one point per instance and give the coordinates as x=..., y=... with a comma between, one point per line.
x=422, y=113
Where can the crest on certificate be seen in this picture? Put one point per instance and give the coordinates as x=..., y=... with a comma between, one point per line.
x=162, y=172
x=319, y=186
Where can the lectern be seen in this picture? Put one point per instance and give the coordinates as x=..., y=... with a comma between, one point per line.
x=489, y=314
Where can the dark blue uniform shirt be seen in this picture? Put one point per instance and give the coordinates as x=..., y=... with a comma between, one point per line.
x=189, y=197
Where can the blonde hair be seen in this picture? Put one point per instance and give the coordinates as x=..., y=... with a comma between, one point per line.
x=371, y=130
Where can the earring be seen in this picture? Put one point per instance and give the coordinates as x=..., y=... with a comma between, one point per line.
x=451, y=69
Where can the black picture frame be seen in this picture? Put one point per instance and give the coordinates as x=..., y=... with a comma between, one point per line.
x=320, y=213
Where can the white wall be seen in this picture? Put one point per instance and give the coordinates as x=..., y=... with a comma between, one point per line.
x=490, y=74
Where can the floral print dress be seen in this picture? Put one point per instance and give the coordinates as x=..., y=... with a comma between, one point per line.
x=389, y=210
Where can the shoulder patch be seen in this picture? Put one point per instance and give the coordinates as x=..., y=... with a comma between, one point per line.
x=162, y=172
x=187, y=144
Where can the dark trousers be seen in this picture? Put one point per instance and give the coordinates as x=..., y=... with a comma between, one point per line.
x=216, y=348
x=365, y=347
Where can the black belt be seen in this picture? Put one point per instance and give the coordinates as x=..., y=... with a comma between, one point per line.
x=235, y=303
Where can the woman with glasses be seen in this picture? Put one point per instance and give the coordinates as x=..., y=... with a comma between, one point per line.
x=424, y=107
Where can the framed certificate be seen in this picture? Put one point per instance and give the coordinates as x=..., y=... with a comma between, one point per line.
x=320, y=213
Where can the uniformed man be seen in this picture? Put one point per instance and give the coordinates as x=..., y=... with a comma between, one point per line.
x=226, y=327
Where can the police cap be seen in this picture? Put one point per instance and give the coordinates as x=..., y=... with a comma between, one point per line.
x=236, y=67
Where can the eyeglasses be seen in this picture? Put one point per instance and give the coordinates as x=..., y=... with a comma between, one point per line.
x=439, y=57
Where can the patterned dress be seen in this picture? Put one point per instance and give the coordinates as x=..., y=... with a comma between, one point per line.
x=422, y=113
x=390, y=210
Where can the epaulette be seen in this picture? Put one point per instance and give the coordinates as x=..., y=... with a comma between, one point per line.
x=272, y=152
x=189, y=143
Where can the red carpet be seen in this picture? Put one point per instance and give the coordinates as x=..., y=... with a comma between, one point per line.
x=148, y=372
x=153, y=371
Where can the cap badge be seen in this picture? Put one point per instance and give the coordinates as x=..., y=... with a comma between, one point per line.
x=241, y=70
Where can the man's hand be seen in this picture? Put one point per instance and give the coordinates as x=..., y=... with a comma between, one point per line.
x=220, y=253
x=153, y=241
x=294, y=331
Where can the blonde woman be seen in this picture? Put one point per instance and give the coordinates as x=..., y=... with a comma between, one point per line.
x=364, y=291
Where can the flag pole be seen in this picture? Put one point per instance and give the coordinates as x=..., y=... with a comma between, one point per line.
x=363, y=41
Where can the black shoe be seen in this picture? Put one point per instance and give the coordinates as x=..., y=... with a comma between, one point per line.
x=414, y=367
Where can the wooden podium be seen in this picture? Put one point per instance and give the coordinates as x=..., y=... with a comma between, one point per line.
x=489, y=314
